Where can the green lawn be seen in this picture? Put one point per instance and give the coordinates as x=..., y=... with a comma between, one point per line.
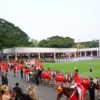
x=82, y=66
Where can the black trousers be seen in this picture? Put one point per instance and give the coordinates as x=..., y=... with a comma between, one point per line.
x=21, y=75
x=14, y=72
x=91, y=70
x=92, y=96
x=37, y=80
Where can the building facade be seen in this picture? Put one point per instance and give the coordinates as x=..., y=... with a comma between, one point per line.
x=26, y=52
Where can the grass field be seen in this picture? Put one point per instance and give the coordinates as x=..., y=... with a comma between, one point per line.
x=82, y=66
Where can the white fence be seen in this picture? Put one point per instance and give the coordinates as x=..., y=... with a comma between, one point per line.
x=76, y=59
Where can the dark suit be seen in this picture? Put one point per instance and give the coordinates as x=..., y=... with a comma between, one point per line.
x=18, y=90
x=4, y=80
x=92, y=87
x=37, y=77
x=21, y=72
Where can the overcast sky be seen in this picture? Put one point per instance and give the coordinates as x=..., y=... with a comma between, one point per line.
x=78, y=19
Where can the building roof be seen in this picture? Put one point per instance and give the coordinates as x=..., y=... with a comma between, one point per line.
x=45, y=50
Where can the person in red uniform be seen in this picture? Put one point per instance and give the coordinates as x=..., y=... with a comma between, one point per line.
x=27, y=74
x=76, y=76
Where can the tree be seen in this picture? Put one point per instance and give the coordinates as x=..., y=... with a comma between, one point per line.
x=34, y=42
x=43, y=43
x=69, y=42
x=11, y=35
x=91, y=44
x=57, y=42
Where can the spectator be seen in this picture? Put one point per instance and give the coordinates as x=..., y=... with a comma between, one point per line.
x=4, y=79
x=17, y=89
x=6, y=96
x=21, y=72
x=37, y=77
x=92, y=87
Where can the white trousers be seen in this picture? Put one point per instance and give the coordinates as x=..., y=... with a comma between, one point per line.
x=27, y=77
x=80, y=94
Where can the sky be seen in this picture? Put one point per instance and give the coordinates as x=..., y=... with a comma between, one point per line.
x=40, y=19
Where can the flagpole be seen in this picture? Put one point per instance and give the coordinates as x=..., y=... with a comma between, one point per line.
x=99, y=47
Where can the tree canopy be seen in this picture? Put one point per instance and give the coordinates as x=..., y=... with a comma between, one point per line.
x=91, y=44
x=88, y=44
x=11, y=35
x=57, y=42
x=33, y=43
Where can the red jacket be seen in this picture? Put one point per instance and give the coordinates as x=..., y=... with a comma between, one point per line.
x=27, y=71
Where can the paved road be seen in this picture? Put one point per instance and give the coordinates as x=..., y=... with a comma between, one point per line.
x=43, y=92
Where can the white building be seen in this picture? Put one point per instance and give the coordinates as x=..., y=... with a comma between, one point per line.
x=48, y=52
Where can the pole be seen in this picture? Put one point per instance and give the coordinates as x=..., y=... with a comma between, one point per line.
x=99, y=47
x=78, y=47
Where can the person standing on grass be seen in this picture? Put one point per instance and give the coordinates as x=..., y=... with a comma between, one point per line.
x=90, y=68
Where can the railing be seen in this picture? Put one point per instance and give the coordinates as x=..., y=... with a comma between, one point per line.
x=77, y=59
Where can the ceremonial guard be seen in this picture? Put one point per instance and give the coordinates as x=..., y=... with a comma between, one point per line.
x=90, y=67
x=92, y=86
x=75, y=72
x=98, y=86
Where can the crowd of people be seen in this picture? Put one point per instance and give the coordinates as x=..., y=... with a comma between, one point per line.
x=26, y=70
x=33, y=69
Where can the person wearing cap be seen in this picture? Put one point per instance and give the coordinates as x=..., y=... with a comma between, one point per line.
x=91, y=87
